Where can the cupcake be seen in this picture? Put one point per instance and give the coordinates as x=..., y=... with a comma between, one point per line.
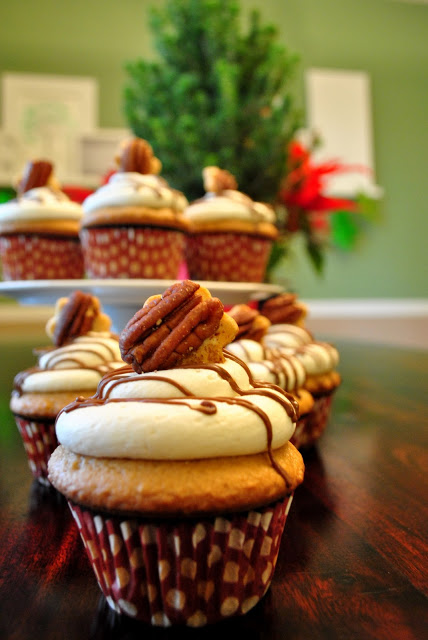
x=84, y=351
x=133, y=226
x=284, y=308
x=271, y=365
x=39, y=229
x=230, y=235
x=320, y=360
x=179, y=470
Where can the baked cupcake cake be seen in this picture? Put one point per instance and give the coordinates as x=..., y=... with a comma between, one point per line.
x=320, y=361
x=39, y=229
x=84, y=350
x=275, y=366
x=179, y=470
x=230, y=235
x=133, y=226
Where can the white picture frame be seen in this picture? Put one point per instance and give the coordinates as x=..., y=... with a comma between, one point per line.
x=338, y=105
x=48, y=113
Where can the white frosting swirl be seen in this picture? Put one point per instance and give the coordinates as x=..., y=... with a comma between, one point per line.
x=178, y=414
x=286, y=335
x=40, y=203
x=135, y=189
x=79, y=365
x=318, y=358
x=229, y=204
x=270, y=365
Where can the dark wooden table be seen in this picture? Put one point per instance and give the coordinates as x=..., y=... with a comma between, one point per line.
x=353, y=561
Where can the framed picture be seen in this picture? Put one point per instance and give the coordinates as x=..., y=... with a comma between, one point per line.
x=339, y=110
x=48, y=113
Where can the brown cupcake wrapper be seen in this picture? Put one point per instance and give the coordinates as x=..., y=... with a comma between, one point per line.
x=40, y=442
x=132, y=252
x=310, y=427
x=183, y=572
x=227, y=257
x=38, y=257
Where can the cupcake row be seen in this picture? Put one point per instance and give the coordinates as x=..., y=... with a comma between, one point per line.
x=176, y=443
x=134, y=226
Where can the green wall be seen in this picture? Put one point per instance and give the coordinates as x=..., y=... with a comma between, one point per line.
x=386, y=38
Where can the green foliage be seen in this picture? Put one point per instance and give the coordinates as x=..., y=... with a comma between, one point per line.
x=215, y=96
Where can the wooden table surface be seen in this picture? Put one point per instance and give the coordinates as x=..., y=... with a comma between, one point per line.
x=354, y=556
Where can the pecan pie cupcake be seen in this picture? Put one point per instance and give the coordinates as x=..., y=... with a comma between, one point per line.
x=84, y=350
x=133, y=226
x=320, y=360
x=39, y=229
x=271, y=365
x=182, y=502
x=230, y=235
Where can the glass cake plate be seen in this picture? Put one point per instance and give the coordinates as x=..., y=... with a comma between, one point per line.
x=122, y=298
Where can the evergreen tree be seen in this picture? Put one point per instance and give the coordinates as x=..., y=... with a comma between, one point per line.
x=214, y=97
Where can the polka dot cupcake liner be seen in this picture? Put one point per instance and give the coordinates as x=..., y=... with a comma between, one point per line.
x=183, y=572
x=227, y=257
x=35, y=257
x=40, y=441
x=310, y=427
x=132, y=252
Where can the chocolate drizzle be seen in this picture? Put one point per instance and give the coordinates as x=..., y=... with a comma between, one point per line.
x=205, y=405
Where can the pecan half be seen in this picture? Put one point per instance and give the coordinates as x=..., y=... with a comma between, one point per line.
x=36, y=174
x=283, y=308
x=251, y=324
x=217, y=180
x=136, y=155
x=76, y=317
x=167, y=328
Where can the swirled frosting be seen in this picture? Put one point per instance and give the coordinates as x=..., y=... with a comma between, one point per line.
x=129, y=188
x=77, y=366
x=286, y=335
x=318, y=357
x=227, y=205
x=40, y=203
x=271, y=365
x=190, y=412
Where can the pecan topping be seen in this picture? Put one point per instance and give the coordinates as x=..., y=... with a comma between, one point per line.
x=137, y=155
x=217, y=180
x=167, y=328
x=251, y=324
x=283, y=308
x=36, y=174
x=75, y=318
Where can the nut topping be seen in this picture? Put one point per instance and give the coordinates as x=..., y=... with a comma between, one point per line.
x=251, y=324
x=217, y=180
x=283, y=309
x=75, y=316
x=170, y=328
x=136, y=155
x=37, y=173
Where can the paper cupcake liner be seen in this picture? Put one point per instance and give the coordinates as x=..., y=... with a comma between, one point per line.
x=227, y=257
x=36, y=257
x=310, y=427
x=40, y=442
x=132, y=252
x=183, y=572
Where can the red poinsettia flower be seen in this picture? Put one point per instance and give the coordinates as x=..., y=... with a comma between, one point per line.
x=303, y=186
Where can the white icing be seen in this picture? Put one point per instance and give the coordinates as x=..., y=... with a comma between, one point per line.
x=78, y=365
x=40, y=203
x=168, y=424
x=318, y=358
x=286, y=335
x=274, y=366
x=135, y=189
x=228, y=205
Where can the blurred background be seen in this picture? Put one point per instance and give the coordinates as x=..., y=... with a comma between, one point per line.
x=384, y=40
